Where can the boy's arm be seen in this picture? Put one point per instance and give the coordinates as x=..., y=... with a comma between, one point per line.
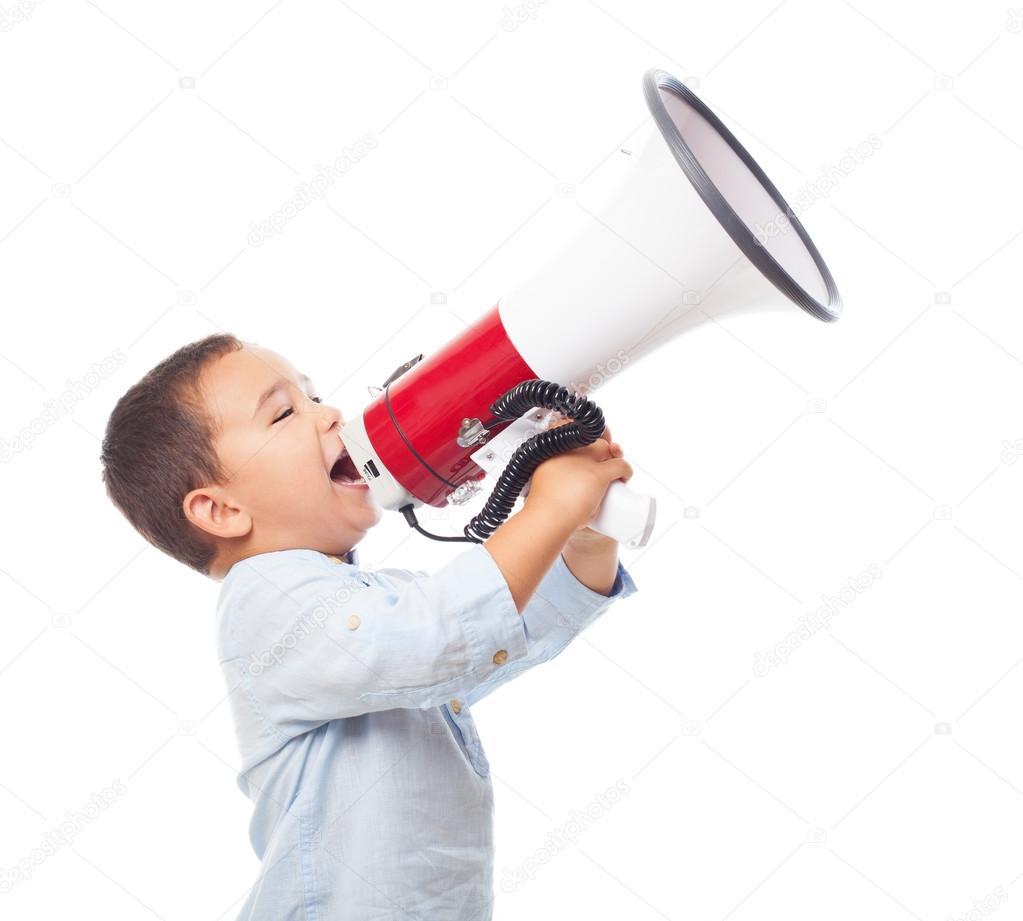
x=593, y=559
x=526, y=546
x=395, y=639
x=313, y=641
x=585, y=580
x=565, y=490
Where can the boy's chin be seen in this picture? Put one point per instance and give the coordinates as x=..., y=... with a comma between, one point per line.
x=361, y=520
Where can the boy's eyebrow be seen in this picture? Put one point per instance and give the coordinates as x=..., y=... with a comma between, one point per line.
x=265, y=395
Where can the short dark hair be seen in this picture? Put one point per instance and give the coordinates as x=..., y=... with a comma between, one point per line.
x=159, y=446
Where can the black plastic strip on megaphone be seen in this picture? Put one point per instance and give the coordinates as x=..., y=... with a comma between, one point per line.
x=653, y=81
x=408, y=444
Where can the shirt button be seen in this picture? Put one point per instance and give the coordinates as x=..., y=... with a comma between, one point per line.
x=456, y=706
x=354, y=621
x=500, y=656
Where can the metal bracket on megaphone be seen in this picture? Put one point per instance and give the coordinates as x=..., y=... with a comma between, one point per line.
x=497, y=453
x=625, y=515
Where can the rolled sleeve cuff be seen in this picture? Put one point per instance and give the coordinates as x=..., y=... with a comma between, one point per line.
x=579, y=604
x=494, y=628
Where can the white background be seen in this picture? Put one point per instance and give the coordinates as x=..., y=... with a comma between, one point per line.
x=877, y=773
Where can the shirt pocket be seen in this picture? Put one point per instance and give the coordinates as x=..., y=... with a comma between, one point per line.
x=464, y=731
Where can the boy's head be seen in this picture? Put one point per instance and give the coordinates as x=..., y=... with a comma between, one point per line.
x=222, y=451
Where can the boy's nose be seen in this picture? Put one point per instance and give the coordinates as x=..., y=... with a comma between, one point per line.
x=330, y=417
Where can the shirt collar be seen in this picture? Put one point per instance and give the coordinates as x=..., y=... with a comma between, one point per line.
x=351, y=557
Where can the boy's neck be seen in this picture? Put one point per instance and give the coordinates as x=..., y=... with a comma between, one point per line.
x=226, y=556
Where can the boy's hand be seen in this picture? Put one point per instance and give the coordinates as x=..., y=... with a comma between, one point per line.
x=573, y=484
x=584, y=533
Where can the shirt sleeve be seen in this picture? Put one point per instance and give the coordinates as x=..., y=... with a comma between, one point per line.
x=316, y=641
x=557, y=612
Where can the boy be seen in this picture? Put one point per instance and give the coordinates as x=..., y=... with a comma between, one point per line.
x=351, y=689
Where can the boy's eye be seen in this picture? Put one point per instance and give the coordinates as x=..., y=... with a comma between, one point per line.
x=289, y=410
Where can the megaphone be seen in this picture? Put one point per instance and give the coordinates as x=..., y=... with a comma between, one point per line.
x=694, y=229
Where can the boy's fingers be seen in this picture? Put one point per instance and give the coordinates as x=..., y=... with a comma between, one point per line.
x=617, y=468
x=609, y=448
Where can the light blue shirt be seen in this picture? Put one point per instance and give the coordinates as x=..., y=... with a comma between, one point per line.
x=351, y=691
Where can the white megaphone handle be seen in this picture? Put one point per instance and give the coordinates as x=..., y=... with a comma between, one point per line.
x=625, y=515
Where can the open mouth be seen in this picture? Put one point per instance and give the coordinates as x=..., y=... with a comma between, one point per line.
x=344, y=471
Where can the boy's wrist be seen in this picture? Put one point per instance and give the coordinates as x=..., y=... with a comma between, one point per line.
x=592, y=559
x=549, y=520
x=585, y=537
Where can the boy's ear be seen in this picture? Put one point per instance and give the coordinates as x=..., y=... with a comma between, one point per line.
x=210, y=508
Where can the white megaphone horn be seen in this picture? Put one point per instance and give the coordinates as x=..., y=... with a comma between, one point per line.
x=693, y=230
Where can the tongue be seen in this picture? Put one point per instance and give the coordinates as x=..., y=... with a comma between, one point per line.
x=344, y=472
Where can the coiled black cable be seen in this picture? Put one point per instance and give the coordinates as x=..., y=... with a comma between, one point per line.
x=586, y=427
